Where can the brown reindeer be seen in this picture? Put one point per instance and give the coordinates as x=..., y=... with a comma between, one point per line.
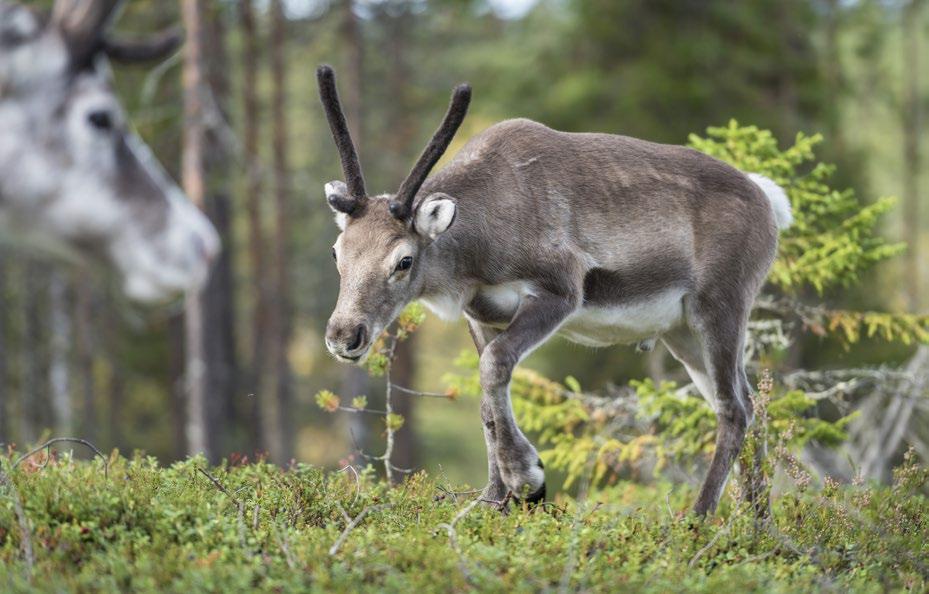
x=530, y=232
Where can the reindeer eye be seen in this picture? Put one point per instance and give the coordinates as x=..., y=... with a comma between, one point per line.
x=333, y=255
x=101, y=120
x=405, y=263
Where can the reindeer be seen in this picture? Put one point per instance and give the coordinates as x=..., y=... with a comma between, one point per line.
x=73, y=174
x=531, y=232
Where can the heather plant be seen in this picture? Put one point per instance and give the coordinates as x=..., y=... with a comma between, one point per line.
x=130, y=524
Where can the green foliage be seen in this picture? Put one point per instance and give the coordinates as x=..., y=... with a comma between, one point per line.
x=379, y=359
x=327, y=401
x=851, y=326
x=687, y=425
x=669, y=427
x=393, y=421
x=148, y=528
x=834, y=237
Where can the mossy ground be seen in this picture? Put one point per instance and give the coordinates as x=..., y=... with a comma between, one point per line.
x=149, y=528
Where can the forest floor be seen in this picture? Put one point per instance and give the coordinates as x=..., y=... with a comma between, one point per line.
x=137, y=526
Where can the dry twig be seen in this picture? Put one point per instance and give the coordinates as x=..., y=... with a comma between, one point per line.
x=25, y=540
x=351, y=526
x=48, y=444
x=357, y=481
x=453, y=539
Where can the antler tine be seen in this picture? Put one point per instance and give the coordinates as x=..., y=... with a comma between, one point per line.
x=402, y=205
x=82, y=23
x=148, y=49
x=343, y=139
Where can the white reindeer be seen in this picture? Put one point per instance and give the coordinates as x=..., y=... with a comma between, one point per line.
x=73, y=174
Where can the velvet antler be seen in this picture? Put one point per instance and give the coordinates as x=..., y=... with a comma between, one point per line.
x=402, y=204
x=343, y=140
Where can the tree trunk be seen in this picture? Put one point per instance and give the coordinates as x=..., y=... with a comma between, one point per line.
x=220, y=339
x=256, y=241
x=5, y=435
x=84, y=344
x=176, y=379
x=219, y=314
x=194, y=182
x=282, y=313
x=833, y=76
x=116, y=389
x=402, y=136
x=354, y=379
x=911, y=151
x=34, y=387
x=59, y=353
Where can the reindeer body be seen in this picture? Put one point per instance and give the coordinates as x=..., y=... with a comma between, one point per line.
x=74, y=176
x=640, y=228
x=530, y=232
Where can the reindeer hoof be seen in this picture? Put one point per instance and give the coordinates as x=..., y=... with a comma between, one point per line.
x=539, y=495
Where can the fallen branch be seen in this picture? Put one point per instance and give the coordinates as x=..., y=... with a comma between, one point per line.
x=453, y=539
x=357, y=481
x=281, y=538
x=48, y=444
x=351, y=526
x=240, y=507
x=719, y=534
x=218, y=485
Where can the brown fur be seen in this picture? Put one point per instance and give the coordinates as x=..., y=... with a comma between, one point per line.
x=585, y=220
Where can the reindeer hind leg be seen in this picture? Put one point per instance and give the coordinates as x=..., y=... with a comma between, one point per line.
x=722, y=336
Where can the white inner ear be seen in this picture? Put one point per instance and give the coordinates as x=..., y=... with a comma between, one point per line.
x=337, y=188
x=435, y=215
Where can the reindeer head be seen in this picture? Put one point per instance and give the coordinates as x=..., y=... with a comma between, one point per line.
x=72, y=172
x=384, y=241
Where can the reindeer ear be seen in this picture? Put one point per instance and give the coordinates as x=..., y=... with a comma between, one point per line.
x=434, y=215
x=339, y=201
x=17, y=25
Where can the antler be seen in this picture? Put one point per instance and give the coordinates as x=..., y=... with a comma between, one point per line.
x=343, y=140
x=82, y=23
x=402, y=204
x=148, y=49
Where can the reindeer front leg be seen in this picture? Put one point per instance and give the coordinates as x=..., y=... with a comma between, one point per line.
x=495, y=489
x=518, y=465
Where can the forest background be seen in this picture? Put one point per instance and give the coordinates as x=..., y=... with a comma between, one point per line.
x=76, y=359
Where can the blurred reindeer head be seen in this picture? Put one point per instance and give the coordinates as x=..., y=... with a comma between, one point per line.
x=381, y=250
x=72, y=172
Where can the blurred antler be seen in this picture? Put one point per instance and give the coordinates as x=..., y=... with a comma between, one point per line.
x=82, y=24
x=148, y=49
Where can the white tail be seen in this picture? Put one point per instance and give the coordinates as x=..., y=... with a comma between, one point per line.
x=779, y=202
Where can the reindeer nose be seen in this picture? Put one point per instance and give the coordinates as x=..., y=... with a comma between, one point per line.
x=358, y=338
x=347, y=341
x=203, y=250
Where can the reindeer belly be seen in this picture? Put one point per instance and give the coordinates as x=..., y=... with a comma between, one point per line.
x=625, y=323
x=597, y=325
